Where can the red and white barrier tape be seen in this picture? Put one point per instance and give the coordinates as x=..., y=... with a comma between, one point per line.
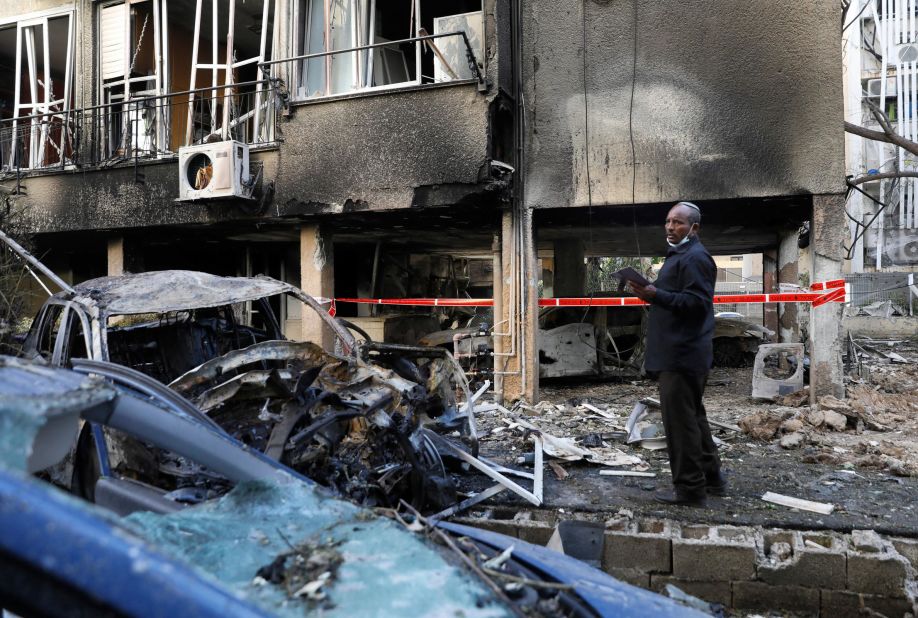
x=828, y=285
x=821, y=293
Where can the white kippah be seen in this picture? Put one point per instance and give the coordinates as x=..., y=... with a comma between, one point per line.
x=690, y=205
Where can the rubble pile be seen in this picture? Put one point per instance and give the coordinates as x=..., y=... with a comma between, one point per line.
x=875, y=426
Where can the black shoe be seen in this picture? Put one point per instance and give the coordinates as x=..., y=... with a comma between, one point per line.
x=681, y=498
x=717, y=486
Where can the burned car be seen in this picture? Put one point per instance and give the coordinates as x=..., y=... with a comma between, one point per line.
x=274, y=544
x=597, y=341
x=352, y=421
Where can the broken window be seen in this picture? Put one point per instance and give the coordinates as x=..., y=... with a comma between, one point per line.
x=132, y=66
x=229, y=43
x=151, y=53
x=37, y=56
x=327, y=29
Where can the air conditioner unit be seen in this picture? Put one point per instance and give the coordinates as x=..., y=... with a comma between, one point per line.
x=215, y=170
x=874, y=86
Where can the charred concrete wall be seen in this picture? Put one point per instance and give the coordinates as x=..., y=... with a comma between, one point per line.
x=730, y=99
x=425, y=147
x=383, y=152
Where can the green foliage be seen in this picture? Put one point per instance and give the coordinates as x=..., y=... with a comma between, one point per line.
x=601, y=269
x=13, y=280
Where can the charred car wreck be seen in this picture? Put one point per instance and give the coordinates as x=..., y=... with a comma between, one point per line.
x=597, y=342
x=358, y=421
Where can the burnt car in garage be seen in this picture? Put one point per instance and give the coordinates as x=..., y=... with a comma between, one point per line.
x=351, y=420
x=597, y=341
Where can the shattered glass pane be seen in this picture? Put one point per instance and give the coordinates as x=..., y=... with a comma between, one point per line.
x=384, y=571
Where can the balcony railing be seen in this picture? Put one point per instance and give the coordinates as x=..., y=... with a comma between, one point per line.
x=140, y=128
x=378, y=66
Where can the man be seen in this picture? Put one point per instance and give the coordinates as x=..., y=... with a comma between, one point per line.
x=680, y=353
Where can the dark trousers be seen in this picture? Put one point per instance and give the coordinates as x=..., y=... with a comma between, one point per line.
x=692, y=454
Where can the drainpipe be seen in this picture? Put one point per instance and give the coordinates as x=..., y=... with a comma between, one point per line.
x=498, y=294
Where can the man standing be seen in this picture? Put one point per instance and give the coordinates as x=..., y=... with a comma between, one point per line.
x=680, y=353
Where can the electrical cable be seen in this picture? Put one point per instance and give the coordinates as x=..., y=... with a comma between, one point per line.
x=631, y=139
x=864, y=227
x=634, y=54
x=856, y=17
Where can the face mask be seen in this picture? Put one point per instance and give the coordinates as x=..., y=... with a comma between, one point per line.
x=684, y=240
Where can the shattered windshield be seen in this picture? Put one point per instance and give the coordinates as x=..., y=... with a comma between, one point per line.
x=290, y=550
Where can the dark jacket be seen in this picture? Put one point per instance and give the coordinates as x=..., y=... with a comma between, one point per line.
x=681, y=322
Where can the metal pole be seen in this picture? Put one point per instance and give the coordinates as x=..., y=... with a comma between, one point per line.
x=194, y=72
x=227, y=91
x=31, y=259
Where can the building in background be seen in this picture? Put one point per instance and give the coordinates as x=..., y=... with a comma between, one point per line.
x=425, y=148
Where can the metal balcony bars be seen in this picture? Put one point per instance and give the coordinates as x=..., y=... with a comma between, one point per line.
x=300, y=61
x=144, y=127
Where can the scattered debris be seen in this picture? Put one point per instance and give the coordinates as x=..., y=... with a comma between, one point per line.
x=795, y=399
x=649, y=434
x=798, y=503
x=881, y=309
x=765, y=425
x=467, y=503
x=627, y=473
x=538, y=467
x=792, y=440
x=498, y=561
x=568, y=450
x=303, y=571
x=560, y=473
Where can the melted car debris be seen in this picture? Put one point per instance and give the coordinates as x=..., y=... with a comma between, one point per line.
x=349, y=425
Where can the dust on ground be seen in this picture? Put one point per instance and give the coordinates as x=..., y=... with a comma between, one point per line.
x=865, y=463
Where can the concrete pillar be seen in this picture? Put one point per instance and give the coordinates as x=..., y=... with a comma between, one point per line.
x=788, y=256
x=825, y=335
x=516, y=350
x=770, y=286
x=570, y=269
x=317, y=278
x=530, y=326
x=115, y=256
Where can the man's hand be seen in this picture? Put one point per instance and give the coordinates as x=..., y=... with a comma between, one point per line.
x=646, y=293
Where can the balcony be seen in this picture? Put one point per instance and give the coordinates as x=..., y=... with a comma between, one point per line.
x=139, y=129
x=377, y=67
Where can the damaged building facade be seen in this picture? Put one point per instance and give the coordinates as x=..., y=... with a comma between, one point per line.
x=470, y=149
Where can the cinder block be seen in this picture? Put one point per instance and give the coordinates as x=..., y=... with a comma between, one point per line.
x=882, y=574
x=725, y=553
x=712, y=592
x=501, y=526
x=839, y=603
x=762, y=596
x=634, y=577
x=822, y=566
x=867, y=541
x=644, y=545
x=535, y=532
x=908, y=548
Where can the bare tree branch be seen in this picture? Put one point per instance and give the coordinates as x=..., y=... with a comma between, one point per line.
x=868, y=133
x=888, y=136
x=881, y=117
x=884, y=176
